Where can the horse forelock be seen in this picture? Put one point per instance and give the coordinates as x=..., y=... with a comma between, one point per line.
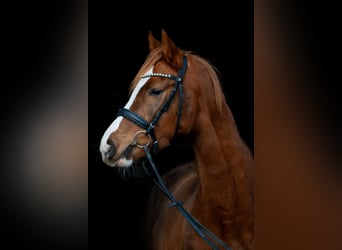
x=150, y=61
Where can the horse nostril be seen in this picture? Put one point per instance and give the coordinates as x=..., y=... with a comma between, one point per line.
x=111, y=150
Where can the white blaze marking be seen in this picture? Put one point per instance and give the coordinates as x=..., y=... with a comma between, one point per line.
x=116, y=123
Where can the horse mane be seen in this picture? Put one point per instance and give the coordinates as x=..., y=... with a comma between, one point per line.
x=155, y=55
x=213, y=73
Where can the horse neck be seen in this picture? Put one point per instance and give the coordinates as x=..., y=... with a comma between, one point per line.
x=224, y=163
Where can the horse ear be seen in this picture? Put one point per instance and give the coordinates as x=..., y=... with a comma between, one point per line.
x=152, y=42
x=171, y=53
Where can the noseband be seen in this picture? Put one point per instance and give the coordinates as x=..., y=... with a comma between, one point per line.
x=149, y=126
x=203, y=232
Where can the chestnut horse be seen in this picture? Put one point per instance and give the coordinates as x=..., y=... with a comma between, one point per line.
x=178, y=93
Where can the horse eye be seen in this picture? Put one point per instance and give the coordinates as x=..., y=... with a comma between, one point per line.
x=155, y=92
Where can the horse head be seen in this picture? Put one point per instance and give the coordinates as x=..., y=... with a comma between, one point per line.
x=151, y=117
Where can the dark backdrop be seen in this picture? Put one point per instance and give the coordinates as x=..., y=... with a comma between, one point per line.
x=117, y=48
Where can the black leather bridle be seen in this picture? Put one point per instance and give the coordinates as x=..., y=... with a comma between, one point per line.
x=149, y=126
x=153, y=173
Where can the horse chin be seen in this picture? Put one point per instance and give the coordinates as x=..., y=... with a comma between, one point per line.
x=123, y=162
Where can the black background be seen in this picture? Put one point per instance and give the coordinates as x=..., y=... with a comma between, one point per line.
x=118, y=46
x=34, y=42
x=33, y=35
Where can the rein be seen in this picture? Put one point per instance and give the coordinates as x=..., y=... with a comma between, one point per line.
x=153, y=173
x=204, y=232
